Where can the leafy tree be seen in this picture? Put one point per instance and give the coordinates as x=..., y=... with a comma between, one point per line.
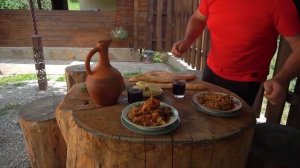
x=23, y=4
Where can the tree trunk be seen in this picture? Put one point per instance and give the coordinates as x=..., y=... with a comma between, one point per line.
x=75, y=74
x=44, y=142
x=59, y=4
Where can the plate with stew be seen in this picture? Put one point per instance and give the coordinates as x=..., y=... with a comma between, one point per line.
x=150, y=115
x=217, y=103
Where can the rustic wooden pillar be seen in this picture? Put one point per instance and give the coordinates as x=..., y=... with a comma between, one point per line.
x=38, y=53
x=39, y=62
x=44, y=142
x=75, y=74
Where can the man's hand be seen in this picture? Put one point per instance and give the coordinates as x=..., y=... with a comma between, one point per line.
x=195, y=27
x=275, y=91
x=180, y=47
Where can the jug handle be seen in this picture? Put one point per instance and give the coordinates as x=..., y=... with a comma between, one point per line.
x=88, y=60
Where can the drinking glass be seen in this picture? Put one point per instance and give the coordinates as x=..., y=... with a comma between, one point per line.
x=134, y=95
x=179, y=88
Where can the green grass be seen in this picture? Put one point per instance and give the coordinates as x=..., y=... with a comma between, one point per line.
x=130, y=74
x=73, y=5
x=160, y=57
x=4, y=110
x=17, y=80
x=20, y=79
x=61, y=78
x=83, y=88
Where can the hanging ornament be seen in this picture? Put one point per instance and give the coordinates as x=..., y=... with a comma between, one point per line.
x=118, y=33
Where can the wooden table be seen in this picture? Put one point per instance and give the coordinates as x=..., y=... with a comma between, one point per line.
x=95, y=136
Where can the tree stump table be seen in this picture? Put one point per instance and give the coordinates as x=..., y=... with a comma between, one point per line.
x=95, y=136
x=44, y=142
x=75, y=74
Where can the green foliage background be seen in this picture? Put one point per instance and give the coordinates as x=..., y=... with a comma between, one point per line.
x=23, y=4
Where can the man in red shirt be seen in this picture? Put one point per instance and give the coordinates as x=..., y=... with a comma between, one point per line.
x=243, y=41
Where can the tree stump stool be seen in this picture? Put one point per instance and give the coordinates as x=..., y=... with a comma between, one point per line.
x=75, y=74
x=44, y=142
x=275, y=146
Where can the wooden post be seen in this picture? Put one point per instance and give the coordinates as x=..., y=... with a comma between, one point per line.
x=38, y=56
x=44, y=141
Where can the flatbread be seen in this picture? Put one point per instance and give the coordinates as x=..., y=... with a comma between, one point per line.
x=189, y=86
x=161, y=77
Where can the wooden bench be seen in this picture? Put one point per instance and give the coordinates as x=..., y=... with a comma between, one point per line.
x=44, y=141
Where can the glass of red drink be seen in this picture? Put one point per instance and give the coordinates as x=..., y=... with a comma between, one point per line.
x=134, y=95
x=179, y=88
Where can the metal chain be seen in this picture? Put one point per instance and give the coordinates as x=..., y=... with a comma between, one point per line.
x=33, y=16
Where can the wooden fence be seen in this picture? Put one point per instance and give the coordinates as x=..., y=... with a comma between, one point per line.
x=167, y=20
x=274, y=113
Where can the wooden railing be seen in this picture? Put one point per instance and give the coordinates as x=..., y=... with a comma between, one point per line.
x=274, y=113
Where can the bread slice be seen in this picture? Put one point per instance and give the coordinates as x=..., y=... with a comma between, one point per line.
x=161, y=77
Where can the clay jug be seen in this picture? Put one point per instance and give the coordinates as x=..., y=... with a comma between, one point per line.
x=104, y=83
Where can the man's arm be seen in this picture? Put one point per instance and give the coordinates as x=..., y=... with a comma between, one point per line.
x=291, y=67
x=275, y=87
x=195, y=27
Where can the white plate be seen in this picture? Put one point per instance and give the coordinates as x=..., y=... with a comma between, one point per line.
x=148, y=94
x=232, y=112
x=158, y=92
x=151, y=132
x=173, y=118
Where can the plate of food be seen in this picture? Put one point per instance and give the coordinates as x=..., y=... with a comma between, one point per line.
x=150, y=115
x=151, y=132
x=149, y=89
x=217, y=103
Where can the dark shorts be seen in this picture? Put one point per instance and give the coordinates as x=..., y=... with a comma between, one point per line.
x=246, y=90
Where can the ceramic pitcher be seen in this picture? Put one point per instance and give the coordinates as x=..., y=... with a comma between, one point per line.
x=104, y=83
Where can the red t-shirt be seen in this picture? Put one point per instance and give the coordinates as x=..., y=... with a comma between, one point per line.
x=244, y=35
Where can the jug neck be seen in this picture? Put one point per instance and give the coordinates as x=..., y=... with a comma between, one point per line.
x=104, y=60
x=103, y=46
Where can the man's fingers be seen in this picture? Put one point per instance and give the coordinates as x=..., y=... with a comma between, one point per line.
x=274, y=91
x=175, y=50
x=268, y=86
x=176, y=53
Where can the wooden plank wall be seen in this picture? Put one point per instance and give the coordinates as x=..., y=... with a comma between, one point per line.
x=64, y=28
